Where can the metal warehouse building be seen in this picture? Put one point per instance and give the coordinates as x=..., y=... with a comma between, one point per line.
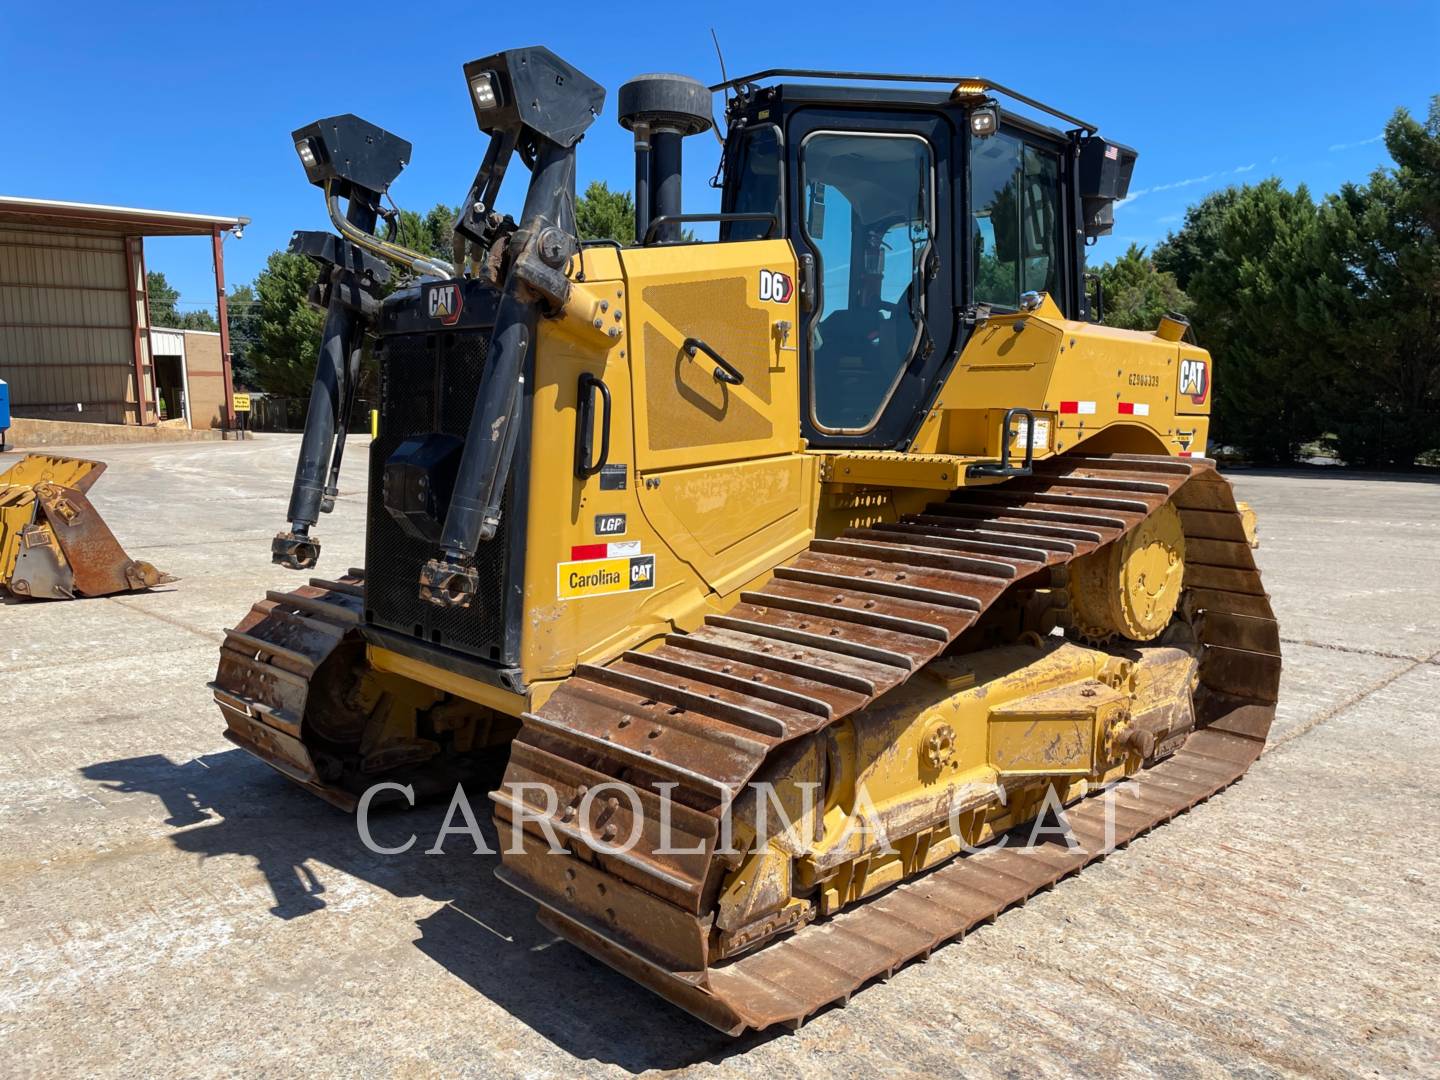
x=75, y=335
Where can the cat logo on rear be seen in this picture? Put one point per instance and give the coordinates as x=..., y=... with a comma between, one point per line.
x=1194, y=380
x=444, y=303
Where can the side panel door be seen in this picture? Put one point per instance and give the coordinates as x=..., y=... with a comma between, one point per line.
x=738, y=298
x=720, y=466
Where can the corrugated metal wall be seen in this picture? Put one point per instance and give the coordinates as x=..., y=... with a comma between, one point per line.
x=66, y=330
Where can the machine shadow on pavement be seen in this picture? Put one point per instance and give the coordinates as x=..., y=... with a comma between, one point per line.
x=483, y=932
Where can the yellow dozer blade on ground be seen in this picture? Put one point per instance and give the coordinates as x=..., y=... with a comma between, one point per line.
x=53, y=544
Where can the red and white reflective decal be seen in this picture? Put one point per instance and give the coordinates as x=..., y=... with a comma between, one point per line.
x=616, y=549
x=1134, y=408
x=1186, y=453
x=1084, y=408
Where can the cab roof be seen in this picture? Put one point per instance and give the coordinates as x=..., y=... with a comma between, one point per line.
x=961, y=88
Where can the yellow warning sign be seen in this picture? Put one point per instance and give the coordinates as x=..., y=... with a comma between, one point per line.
x=242, y=402
x=601, y=577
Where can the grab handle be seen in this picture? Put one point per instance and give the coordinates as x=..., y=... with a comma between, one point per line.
x=725, y=371
x=586, y=464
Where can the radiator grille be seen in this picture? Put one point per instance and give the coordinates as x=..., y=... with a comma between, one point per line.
x=428, y=383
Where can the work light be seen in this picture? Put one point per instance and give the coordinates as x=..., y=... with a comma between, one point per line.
x=483, y=87
x=306, y=149
x=347, y=153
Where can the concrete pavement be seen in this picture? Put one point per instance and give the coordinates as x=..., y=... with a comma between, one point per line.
x=170, y=905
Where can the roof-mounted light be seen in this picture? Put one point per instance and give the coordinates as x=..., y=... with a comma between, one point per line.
x=984, y=121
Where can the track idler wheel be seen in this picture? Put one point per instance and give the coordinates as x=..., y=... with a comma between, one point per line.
x=1131, y=588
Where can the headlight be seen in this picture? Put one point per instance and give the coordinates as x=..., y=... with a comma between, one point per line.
x=483, y=87
x=306, y=149
x=984, y=121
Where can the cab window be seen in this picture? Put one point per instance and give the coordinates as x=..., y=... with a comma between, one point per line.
x=757, y=184
x=868, y=214
x=1015, y=220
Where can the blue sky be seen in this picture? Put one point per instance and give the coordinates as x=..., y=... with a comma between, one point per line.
x=190, y=106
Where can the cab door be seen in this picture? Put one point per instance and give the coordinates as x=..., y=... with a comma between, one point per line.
x=870, y=205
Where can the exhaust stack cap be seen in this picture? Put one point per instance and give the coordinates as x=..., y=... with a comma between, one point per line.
x=674, y=102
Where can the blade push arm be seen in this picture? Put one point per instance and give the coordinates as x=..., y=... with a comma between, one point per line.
x=533, y=101
x=356, y=161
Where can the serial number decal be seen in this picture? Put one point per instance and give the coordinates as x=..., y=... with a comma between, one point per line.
x=612, y=477
x=1139, y=379
x=604, y=577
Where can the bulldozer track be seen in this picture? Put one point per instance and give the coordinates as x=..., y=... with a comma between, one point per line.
x=268, y=663
x=837, y=626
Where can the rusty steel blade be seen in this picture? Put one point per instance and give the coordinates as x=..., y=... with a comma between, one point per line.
x=98, y=564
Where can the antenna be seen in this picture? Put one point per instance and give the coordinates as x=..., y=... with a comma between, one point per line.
x=724, y=78
x=715, y=38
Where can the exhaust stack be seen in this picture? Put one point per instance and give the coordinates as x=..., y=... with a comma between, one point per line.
x=661, y=110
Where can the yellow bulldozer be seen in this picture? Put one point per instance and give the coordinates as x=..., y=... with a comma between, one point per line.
x=795, y=575
x=54, y=545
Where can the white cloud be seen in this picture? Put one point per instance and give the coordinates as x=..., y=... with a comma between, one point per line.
x=1353, y=145
x=1187, y=182
x=1184, y=183
x=1169, y=219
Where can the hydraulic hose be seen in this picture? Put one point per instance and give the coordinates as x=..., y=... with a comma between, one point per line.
x=403, y=256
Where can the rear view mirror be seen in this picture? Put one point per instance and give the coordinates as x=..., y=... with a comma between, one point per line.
x=815, y=209
x=1005, y=221
x=1040, y=221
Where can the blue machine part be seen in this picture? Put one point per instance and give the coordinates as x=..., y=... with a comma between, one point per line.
x=4, y=409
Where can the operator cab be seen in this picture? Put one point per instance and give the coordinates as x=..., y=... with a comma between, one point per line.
x=914, y=214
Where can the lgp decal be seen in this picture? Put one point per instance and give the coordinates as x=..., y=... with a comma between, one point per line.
x=444, y=303
x=609, y=524
x=776, y=287
x=1194, y=380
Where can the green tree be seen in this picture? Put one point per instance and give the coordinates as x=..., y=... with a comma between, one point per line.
x=1245, y=258
x=1376, y=304
x=430, y=234
x=1137, y=293
x=242, y=310
x=287, y=330
x=1185, y=253
x=602, y=214
x=162, y=299
x=165, y=307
